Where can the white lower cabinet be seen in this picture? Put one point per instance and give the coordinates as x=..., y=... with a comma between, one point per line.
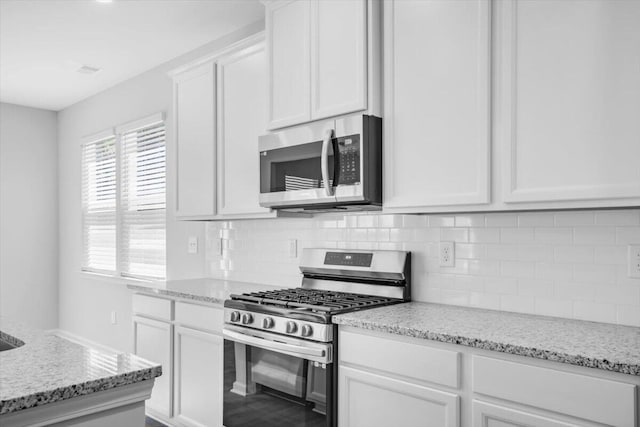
x=391, y=380
x=186, y=338
x=369, y=400
x=489, y=415
x=152, y=341
x=198, y=377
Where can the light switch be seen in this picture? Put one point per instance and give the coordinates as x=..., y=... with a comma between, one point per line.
x=293, y=248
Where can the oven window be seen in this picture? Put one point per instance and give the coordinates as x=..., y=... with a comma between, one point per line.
x=294, y=168
x=265, y=388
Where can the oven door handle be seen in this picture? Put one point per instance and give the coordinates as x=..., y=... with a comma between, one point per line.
x=274, y=345
x=324, y=162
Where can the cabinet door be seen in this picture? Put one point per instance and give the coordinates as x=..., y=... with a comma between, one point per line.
x=241, y=120
x=370, y=400
x=288, y=62
x=568, y=105
x=488, y=415
x=198, y=377
x=338, y=57
x=437, y=115
x=152, y=341
x=194, y=105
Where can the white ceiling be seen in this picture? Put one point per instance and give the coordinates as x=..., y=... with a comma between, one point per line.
x=43, y=42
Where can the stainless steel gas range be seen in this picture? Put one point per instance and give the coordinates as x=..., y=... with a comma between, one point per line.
x=281, y=347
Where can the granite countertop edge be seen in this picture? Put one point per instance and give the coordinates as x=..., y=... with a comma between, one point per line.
x=75, y=390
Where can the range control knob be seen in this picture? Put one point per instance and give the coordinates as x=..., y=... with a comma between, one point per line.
x=235, y=316
x=292, y=327
x=306, y=330
x=267, y=323
x=247, y=319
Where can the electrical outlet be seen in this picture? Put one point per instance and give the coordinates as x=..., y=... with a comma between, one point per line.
x=114, y=317
x=293, y=248
x=447, y=254
x=634, y=261
x=192, y=247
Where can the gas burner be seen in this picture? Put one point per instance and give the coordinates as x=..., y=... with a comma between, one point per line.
x=324, y=301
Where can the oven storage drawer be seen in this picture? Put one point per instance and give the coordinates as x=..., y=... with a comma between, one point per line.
x=405, y=357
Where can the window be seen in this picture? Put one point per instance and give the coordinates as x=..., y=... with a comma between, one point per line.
x=124, y=201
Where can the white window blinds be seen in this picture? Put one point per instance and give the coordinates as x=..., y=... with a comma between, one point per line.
x=143, y=202
x=99, y=205
x=124, y=201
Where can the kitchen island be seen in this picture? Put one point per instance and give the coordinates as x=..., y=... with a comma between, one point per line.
x=45, y=379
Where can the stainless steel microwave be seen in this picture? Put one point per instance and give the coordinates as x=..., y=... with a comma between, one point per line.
x=333, y=165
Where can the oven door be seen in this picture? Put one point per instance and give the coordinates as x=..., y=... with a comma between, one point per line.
x=275, y=380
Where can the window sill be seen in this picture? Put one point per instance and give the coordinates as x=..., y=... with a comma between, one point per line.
x=118, y=280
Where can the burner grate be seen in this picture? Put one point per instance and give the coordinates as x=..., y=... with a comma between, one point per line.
x=314, y=299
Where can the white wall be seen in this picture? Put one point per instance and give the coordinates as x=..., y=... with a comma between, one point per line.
x=86, y=302
x=29, y=216
x=565, y=264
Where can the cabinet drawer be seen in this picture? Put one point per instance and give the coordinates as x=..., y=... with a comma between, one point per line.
x=413, y=360
x=158, y=308
x=199, y=316
x=595, y=399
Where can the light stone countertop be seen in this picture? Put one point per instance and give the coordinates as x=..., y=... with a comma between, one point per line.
x=590, y=344
x=212, y=291
x=47, y=368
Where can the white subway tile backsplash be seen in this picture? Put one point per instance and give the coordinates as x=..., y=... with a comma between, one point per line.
x=546, y=270
x=516, y=235
x=516, y=269
x=535, y=253
x=616, y=255
x=552, y=235
x=594, y=311
x=470, y=251
x=535, y=220
x=535, y=288
x=517, y=303
x=619, y=217
x=574, y=219
x=553, y=307
x=628, y=315
x=593, y=273
x=416, y=221
x=502, y=220
x=594, y=236
x=578, y=254
x=454, y=234
x=627, y=235
x=501, y=285
x=568, y=264
x=484, y=235
x=470, y=220
x=441, y=221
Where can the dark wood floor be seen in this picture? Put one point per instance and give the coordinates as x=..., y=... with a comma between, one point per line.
x=150, y=422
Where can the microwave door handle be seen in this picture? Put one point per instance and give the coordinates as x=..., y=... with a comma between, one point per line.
x=272, y=345
x=324, y=162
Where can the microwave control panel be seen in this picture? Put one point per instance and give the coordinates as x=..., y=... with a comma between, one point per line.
x=349, y=159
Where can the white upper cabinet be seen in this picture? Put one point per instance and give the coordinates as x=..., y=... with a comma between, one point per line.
x=288, y=41
x=194, y=115
x=436, y=103
x=568, y=100
x=241, y=120
x=338, y=57
x=321, y=57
